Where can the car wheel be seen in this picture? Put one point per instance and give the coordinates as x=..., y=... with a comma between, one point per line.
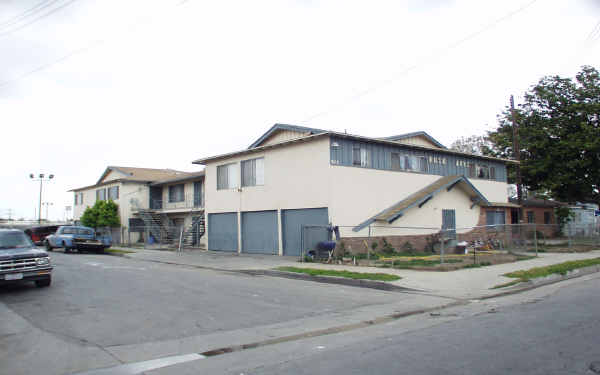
x=48, y=246
x=43, y=283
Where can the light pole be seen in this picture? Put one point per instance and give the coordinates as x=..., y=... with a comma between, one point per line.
x=41, y=178
x=47, y=204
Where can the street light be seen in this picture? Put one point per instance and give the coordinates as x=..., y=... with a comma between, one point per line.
x=41, y=178
x=47, y=204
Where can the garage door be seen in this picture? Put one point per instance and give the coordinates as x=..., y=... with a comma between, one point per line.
x=259, y=232
x=222, y=232
x=291, y=220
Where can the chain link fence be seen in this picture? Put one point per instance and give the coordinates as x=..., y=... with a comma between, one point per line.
x=165, y=237
x=434, y=246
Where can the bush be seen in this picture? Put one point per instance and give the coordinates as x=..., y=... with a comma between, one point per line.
x=102, y=214
x=387, y=248
x=408, y=247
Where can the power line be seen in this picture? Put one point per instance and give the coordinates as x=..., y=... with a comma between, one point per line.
x=594, y=34
x=52, y=11
x=88, y=47
x=423, y=61
x=25, y=14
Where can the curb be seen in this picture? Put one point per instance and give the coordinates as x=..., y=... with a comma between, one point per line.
x=361, y=283
x=546, y=280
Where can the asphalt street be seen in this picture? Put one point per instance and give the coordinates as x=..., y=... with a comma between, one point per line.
x=551, y=330
x=102, y=311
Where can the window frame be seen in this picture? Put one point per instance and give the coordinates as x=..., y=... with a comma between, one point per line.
x=255, y=178
x=172, y=193
x=109, y=193
x=226, y=178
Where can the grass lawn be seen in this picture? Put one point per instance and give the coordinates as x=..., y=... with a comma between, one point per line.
x=346, y=274
x=561, y=269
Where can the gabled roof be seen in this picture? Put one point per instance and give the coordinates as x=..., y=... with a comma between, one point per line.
x=142, y=174
x=309, y=138
x=277, y=127
x=187, y=177
x=423, y=134
x=422, y=196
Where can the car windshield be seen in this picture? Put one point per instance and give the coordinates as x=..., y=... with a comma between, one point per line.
x=13, y=240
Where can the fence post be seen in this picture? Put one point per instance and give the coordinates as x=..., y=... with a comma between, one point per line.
x=146, y=237
x=569, y=235
x=442, y=247
x=179, y=249
x=535, y=239
x=302, y=243
x=369, y=244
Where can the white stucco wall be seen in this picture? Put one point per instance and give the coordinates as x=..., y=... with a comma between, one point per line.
x=127, y=191
x=296, y=176
x=301, y=176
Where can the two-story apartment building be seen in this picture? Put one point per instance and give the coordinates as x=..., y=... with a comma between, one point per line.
x=258, y=198
x=160, y=199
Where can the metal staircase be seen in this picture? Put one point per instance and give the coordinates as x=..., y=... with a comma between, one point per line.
x=194, y=231
x=164, y=230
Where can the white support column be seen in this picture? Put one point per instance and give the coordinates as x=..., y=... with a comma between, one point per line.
x=239, y=229
x=279, y=232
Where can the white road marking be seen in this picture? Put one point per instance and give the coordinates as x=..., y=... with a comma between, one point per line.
x=139, y=367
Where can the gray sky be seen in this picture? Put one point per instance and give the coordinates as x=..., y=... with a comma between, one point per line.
x=160, y=83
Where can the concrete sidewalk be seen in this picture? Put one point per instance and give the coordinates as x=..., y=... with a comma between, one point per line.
x=472, y=283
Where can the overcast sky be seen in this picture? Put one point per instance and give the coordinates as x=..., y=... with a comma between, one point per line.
x=85, y=84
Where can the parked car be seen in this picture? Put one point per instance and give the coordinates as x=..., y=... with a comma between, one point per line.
x=21, y=260
x=72, y=237
x=38, y=234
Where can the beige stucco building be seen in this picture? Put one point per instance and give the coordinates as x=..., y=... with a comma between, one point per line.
x=151, y=201
x=257, y=199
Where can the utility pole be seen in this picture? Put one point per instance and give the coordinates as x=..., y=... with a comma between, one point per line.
x=517, y=156
x=41, y=178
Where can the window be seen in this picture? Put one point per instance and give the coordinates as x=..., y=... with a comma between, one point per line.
x=411, y=163
x=360, y=156
x=495, y=218
x=227, y=176
x=396, y=165
x=176, y=193
x=530, y=217
x=80, y=198
x=85, y=232
x=101, y=194
x=471, y=170
x=335, y=153
x=492, y=173
x=547, y=217
x=483, y=171
x=113, y=193
x=253, y=172
x=69, y=230
x=76, y=196
x=423, y=164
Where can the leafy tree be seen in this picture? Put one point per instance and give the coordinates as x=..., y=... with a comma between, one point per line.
x=475, y=144
x=559, y=135
x=102, y=214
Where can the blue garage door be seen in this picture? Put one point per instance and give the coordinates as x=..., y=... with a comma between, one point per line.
x=222, y=232
x=259, y=232
x=291, y=220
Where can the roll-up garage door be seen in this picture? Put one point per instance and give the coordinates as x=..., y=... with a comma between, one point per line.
x=259, y=232
x=222, y=232
x=291, y=221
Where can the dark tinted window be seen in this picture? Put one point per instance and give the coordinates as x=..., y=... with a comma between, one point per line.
x=11, y=240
